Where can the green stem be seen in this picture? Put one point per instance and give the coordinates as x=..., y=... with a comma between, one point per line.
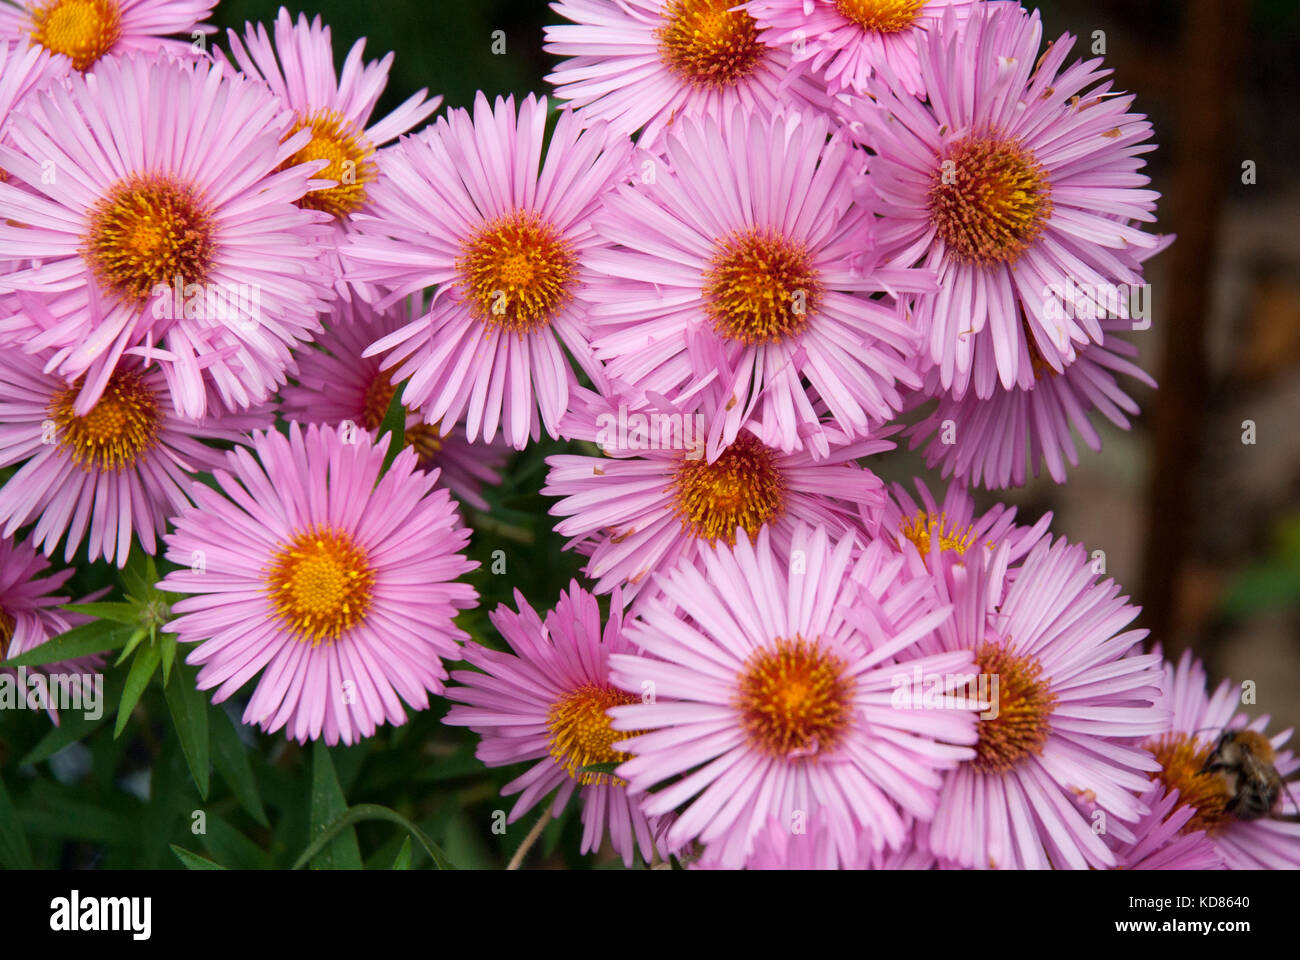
x=517, y=860
x=372, y=811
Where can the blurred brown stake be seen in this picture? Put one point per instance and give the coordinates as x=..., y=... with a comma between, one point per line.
x=1210, y=57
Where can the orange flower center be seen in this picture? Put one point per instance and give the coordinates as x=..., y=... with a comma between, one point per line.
x=425, y=437
x=148, y=231
x=348, y=153
x=1181, y=758
x=7, y=626
x=742, y=488
x=794, y=699
x=881, y=16
x=1037, y=362
x=378, y=398
x=581, y=735
x=119, y=429
x=321, y=585
x=708, y=44
x=760, y=288
x=989, y=200
x=83, y=30
x=518, y=272
x=1024, y=710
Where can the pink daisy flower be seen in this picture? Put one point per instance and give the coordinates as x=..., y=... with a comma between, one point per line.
x=1161, y=843
x=85, y=31
x=126, y=465
x=914, y=855
x=23, y=69
x=645, y=64
x=844, y=40
x=1010, y=190
x=152, y=205
x=1200, y=719
x=712, y=270
x=30, y=616
x=1062, y=752
x=766, y=700
x=337, y=384
x=507, y=253
x=952, y=527
x=337, y=585
x=793, y=846
x=655, y=500
x=990, y=442
x=812, y=847
x=336, y=108
x=546, y=701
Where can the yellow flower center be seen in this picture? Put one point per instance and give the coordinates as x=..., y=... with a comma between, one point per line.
x=7, y=626
x=119, y=429
x=517, y=272
x=321, y=585
x=1024, y=710
x=581, y=735
x=742, y=488
x=348, y=153
x=1181, y=758
x=760, y=288
x=989, y=200
x=83, y=30
x=708, y=44
x=923, y=528
x=148, y=231
x=881, y=16
x=794, y=699
x=378, y=398
x=425, y=437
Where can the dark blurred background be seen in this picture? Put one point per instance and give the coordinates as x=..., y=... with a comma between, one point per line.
x=1202, y=529
x=442, y=45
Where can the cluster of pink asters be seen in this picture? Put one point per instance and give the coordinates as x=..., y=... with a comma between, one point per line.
x=756, y=237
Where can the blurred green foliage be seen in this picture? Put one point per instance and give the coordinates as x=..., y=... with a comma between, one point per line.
x=441, y=45
x=1272, y=583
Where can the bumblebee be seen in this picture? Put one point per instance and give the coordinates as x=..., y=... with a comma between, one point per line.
x=1245, y=760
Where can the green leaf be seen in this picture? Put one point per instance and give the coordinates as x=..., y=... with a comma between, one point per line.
x=74, y=725
x=167, y=643
x=193, y=861
x=143, y=667
x=231, y=760
x=403, y=861
x=365, y=811
x=328, y=819
x=139, y=635
x=16, y=855
x=57, y=816
x=139, y=576
x=117, y=612
x=394, y=423
x=94, y=637
x=602, y=767
x=189, y=709
x=227, y=845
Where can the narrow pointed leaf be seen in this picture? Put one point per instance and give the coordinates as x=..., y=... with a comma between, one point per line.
x=328, y=805
x=189, y=710
x=143, y=667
